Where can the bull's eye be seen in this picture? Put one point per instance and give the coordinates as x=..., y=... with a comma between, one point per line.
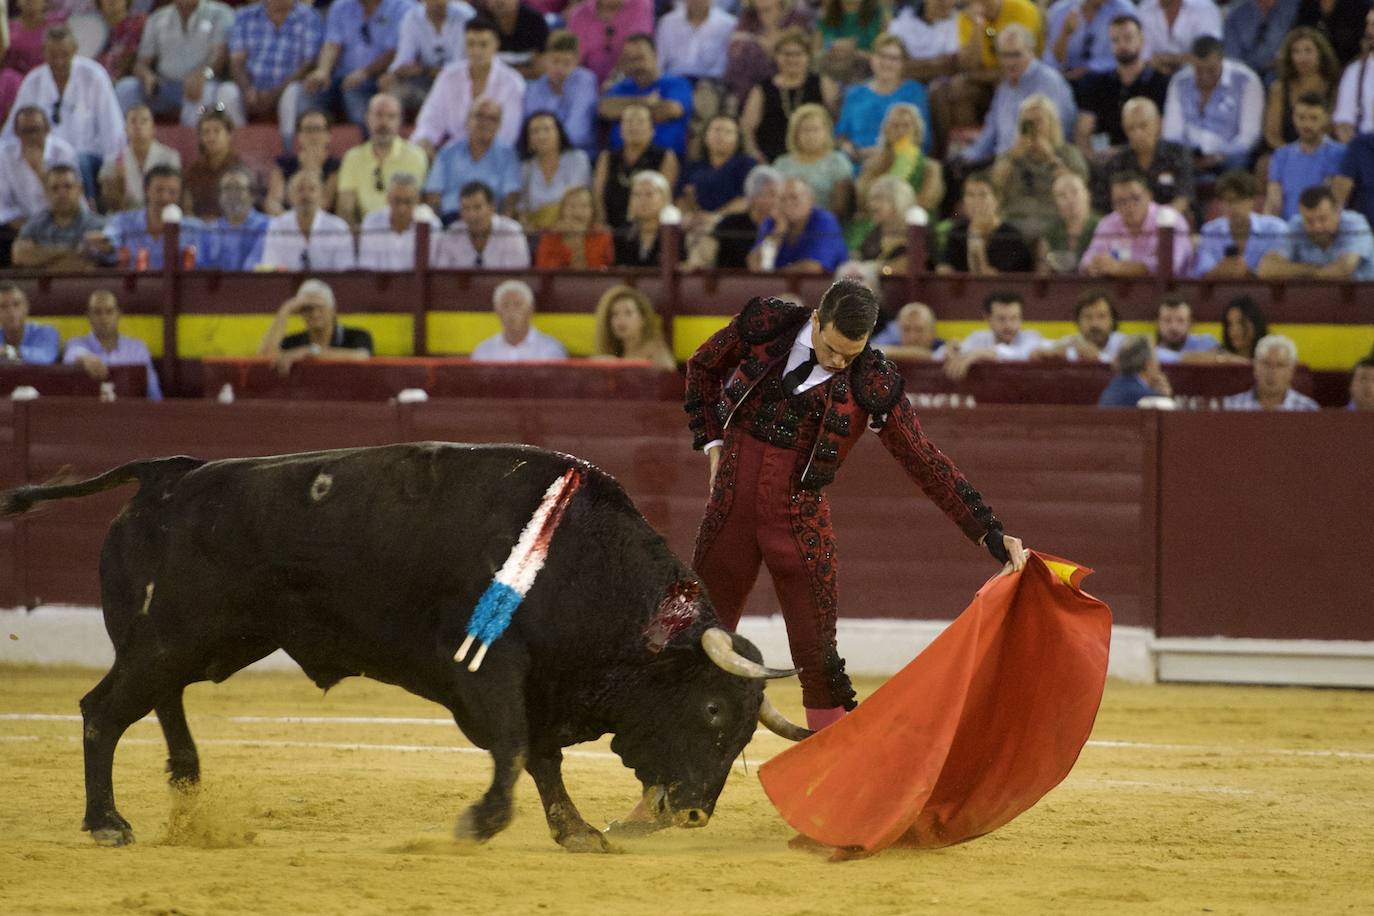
x=713, y=709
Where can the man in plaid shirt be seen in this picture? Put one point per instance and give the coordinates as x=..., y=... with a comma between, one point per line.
x=272, y=46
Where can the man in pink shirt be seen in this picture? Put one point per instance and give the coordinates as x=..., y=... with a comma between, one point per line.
x=601, y=27
x=1126, y=243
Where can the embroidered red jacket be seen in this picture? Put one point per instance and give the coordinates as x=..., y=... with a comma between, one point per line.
x=732, y=380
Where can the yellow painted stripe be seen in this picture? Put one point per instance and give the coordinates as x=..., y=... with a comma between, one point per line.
x=239, y=335
x=147, y=328
x=459, y=333
x=691, y=331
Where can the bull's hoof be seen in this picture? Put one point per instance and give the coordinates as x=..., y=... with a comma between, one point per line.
x=112, y=836
x=584, y=839
x=479, y=824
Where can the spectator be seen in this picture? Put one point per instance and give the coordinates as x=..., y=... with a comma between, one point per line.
x=1078, y=38
x=693, y=40
x=1126, y=243
x=801, y=237
x=1362, y=385
x=750, y=54
x=273, y=45
x=1167, y=167
x=637, y=242
x=323, y=338
x=481, y=157
x=182, y=62
x=1355, y=95
x=104, y=347
x=615, y=167
x=482, y=237
x=387, y=240
x=627, y=327
x=575, y=240
x=771, y=104
x=567, y=90
x=846, y=31
x=603, y=27
x=124, y=31
x=519, y=341
x=25, y=51
x=1242, y=323
x=447, y=111
x=201, y=179
x=121, y=178
x=24, y=161
x=65, y=235
x=312, y=154
x=522, y=32
x=911, y=335
x=1025, y=173
x=22, y=340
x=79, y=98
x=1323, y=242
x=1097, y=339
x=668, y=97
x=981, y=242
x=136, y=237
x=366, y=172
x=1305, y=64
x=734, y=235
x=1072, y=230
x=713, y=186
x=1339, y=20
x=235, y=241
x=812, y=157
x=430, y=38
x=884, y=245
x=1275, y=359
x=1102, y=95
x=902, y=137
x=1174, y=340
x=1353, y=185
x=866, y=104
x=1313, y=159
x=1254, y=34
x=1234, y=243
x=306, y=237
x=1214, y=108
x=981, y=21
x=1172, y=26
x=1003, y=340
x=360, y=38
x=1022, y=76
x=549, y=166
x=1138, y=375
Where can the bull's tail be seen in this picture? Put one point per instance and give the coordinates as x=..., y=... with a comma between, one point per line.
x=22, y=499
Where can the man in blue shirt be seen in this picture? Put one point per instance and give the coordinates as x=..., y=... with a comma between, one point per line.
x=478, y=158
x=272, y=46
x=1324, y=243
x=134, y=237
x=360, y=38
x=1314, y=158
x=1234, y=243
x=1254, y=32
x=22, y=340
x=1076, y=38
x=1214, y=107
x=235, y=240
x=1137, y=375
x=567, y=90
x=1174, y=342
x=669, y=97
x=805, y=239
x=1357, y=175
x=1022, y=77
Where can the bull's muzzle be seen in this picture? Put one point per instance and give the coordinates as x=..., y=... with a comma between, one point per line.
x=692, y=817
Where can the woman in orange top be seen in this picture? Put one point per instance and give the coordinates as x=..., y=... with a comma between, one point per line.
x=575, y=241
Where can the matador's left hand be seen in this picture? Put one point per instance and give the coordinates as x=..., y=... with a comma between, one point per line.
x=1016, y=555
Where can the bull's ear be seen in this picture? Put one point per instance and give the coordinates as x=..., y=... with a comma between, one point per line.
x=777, y=723
x=720, y=648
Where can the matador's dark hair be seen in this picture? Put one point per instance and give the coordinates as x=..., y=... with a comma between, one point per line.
x=851, y=307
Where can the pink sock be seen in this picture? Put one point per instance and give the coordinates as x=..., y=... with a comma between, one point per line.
x=817, y=719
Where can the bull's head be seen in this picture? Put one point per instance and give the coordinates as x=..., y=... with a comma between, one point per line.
x=691, y=718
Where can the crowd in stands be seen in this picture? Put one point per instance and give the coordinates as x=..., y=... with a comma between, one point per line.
x=1053, y=137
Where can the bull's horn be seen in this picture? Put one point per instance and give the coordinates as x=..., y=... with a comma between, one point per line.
x=777, y=723
x=721, y=649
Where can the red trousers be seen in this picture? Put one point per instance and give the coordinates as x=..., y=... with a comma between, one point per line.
x=756, y=515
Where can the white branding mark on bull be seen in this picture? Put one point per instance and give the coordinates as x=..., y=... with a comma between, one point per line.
x=147, y=598
x=320, y=488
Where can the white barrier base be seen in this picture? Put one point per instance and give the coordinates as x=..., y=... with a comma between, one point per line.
x=1310, y=662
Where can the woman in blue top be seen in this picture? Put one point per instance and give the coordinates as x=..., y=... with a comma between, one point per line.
x=867, y=103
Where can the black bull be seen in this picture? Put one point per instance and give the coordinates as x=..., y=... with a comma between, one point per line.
x=369, y=562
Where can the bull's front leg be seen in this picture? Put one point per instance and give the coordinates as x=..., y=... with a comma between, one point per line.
x=566, y=825
x=492, y=701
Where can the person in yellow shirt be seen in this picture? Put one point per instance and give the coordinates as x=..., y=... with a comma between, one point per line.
x=366, y=171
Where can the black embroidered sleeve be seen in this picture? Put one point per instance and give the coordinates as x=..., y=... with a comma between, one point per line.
x=764, y=319
x=707, y=370
x=878, y=386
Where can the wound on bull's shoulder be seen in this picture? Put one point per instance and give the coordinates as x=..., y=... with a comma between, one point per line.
x=677, y=611
x=320, y=487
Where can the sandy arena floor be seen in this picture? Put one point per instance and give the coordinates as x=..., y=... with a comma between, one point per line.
x=1188, y=799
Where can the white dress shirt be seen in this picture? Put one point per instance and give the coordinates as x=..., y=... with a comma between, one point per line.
x=1106, y=354
x=91, y=120
x=506, y=246
x=158, y=154
x=382, y=248
x=420, y=43
x=444, y=115
x=1195, y=19
x=330, y=246
x=924, y=40
x=536, y=345
x=21, y=190
x=694, y=50
x=1355, y=97
x=1018, y=350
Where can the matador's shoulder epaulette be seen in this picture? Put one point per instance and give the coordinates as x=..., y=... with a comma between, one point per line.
x=763, y=319
x=878, y=383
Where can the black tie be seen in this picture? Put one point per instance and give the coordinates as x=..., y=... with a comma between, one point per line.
x=797, y=376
